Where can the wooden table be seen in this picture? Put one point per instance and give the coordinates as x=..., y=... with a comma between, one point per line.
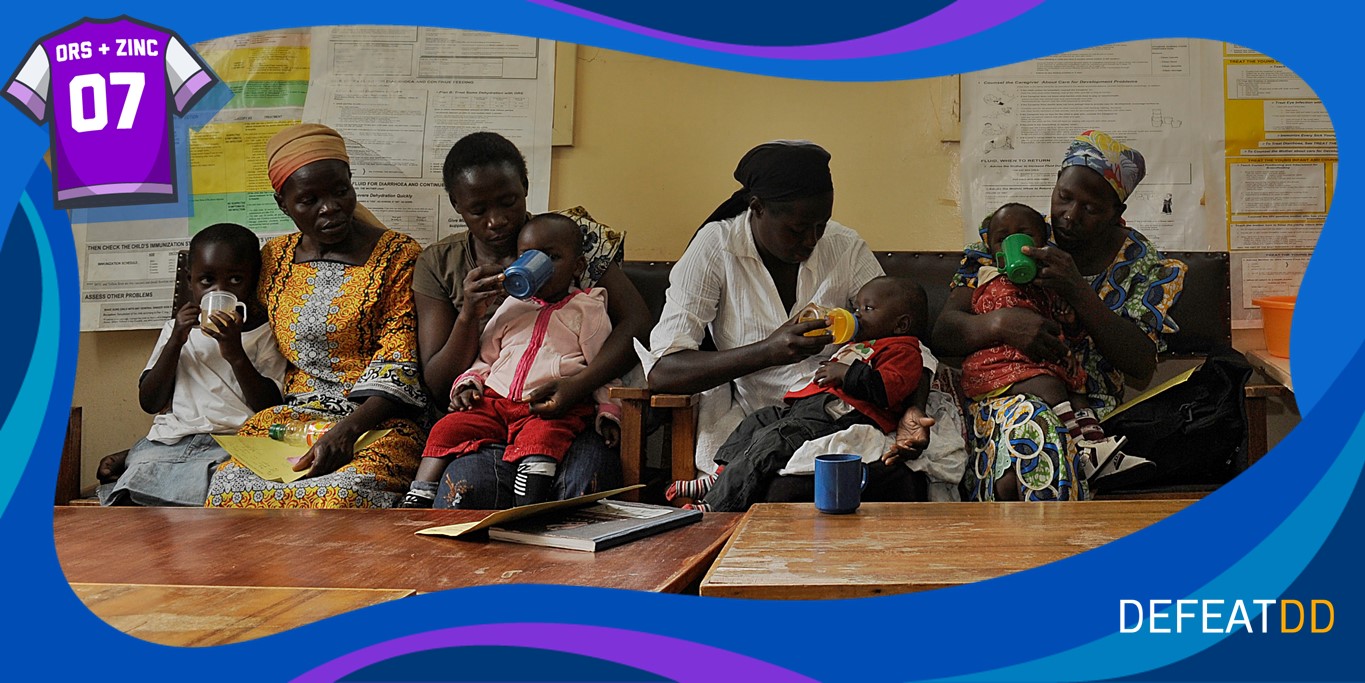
x=199, y=616
x=356, y=549
x=791, y=551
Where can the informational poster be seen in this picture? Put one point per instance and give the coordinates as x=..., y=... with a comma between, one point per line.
x=1280, y=158
x=1017, y=121
x=401, y=96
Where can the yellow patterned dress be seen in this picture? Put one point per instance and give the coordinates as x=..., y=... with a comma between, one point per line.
x=349, y=332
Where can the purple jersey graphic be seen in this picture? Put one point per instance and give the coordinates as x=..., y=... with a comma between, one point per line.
x=108, y=88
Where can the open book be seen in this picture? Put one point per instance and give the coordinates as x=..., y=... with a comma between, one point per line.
x=594, y=527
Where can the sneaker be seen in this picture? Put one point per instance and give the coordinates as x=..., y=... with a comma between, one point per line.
x=414, y=499
x=1123, y=471
x=1100, y=453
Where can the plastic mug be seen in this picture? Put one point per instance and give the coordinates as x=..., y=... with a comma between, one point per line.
x=1014, y=263
x=843, y=325
x=527, y=274
x=839, y=482
x=215, y=301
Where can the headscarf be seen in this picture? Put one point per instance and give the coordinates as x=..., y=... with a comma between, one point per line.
x=780, y=170
x=299, y=145
x=1121, y=166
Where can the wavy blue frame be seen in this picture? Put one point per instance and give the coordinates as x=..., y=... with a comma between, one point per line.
x=1284, y=528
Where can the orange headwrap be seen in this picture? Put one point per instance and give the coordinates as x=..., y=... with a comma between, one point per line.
x=300, y=145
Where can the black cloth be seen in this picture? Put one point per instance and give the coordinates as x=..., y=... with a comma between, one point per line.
x=777, y=171
x=763, y=443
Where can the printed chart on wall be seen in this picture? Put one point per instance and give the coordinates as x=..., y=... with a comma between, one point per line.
x=1281, y=160
x=401, y=96
x=1017, y=121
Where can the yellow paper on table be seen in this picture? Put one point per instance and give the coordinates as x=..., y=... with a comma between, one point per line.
x=1174, y=381
x=274, y=460
x=458, y=530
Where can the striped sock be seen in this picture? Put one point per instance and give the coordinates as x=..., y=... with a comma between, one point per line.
x=1064, y=413
x=697, y=506
x=1089, y=425
x=534, y=481
x=690, y=488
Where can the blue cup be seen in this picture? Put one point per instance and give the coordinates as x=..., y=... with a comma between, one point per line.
x=839, y=482
x=527, y=274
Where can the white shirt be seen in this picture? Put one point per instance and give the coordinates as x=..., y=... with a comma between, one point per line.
x=721, y=283
x=207, y=398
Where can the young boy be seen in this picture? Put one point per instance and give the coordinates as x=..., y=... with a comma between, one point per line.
x=1006, y=371
x=869, y=380
x=200, y=380
x=554, y=334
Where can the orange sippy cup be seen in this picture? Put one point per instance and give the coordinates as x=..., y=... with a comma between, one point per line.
x=842, y=323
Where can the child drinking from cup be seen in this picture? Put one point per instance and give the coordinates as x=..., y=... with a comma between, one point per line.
x=1006, y=371
x=554, y=332
x=870, y=380
x=214, y=365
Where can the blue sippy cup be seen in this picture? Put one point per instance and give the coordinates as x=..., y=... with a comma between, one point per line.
x=527, y=274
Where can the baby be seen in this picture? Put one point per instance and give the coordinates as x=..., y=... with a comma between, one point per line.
x=1006, y=371
x=526, y=343
x=869, y=380
x=201, y=379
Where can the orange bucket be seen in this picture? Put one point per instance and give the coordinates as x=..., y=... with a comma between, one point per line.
x=1277, y=312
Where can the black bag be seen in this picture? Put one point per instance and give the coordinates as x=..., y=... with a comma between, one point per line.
x=1196, y=431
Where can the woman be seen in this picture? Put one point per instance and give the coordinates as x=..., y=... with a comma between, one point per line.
x=761, y=256
x=485, y=176
x=338, y=295
x=1121, y=288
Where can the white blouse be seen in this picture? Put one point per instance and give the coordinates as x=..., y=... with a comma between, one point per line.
x=720, y=284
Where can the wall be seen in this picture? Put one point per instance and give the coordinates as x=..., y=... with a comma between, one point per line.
x=655, y=144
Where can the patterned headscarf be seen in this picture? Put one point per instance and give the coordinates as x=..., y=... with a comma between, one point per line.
x=297, y=146
x=1122, y=166
x=300, y=145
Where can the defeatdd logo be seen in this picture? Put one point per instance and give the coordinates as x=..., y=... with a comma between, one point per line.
x=1226, y=616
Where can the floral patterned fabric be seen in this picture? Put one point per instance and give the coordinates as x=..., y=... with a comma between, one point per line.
x=1021, y=432
x=349, y=332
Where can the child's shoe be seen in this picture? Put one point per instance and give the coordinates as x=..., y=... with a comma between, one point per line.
x=1123, y=471
x=416, y=500
x=1099, y=453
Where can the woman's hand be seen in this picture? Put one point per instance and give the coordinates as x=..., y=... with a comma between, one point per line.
x=1057, y=271
x=1038, y=337
x=556, y=396
x=330, y=452
x=482, y=290
x=789, y=344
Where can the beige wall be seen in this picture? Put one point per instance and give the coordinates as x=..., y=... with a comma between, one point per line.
x=655, y=144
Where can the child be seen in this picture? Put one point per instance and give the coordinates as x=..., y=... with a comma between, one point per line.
x=555, y=334
x=200, y=380
x=1006, y=371
x=867, y=381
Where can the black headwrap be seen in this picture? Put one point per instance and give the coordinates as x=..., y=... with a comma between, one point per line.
x=777, y=171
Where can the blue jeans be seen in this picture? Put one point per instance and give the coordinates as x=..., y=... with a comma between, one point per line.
x=161, y=474
x=482, y=480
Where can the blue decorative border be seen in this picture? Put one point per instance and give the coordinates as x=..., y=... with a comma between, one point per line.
x=1287, y=527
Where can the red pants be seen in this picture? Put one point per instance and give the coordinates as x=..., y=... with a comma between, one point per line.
x=497, y=420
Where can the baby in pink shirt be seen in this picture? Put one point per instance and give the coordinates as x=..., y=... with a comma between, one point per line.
x=554, y=334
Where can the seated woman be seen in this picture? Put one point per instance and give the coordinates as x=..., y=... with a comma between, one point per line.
x=338, y=294
x=486, y=178
x=1120, y=289
x=760, y=257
